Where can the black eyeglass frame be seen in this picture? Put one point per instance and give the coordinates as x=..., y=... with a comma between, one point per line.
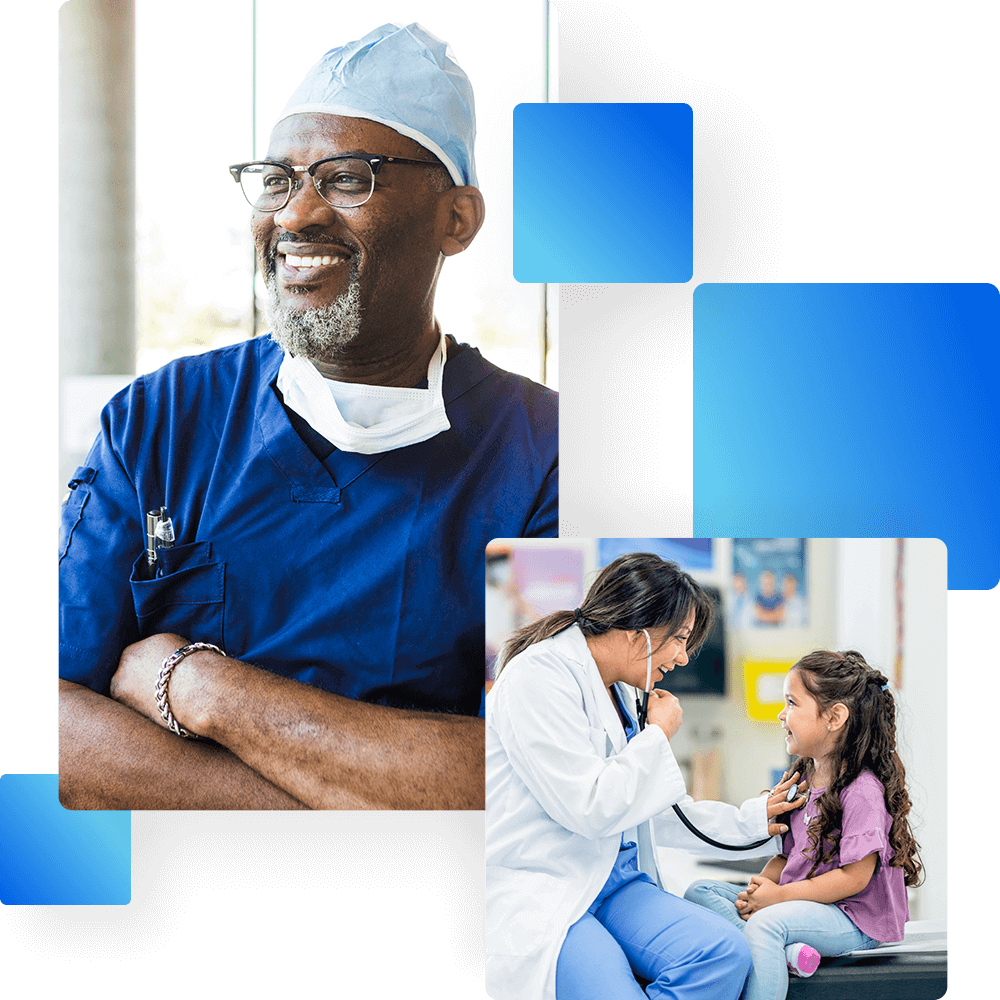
x=375, y=162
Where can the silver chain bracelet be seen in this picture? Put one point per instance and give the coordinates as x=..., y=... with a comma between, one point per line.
x=163, y=678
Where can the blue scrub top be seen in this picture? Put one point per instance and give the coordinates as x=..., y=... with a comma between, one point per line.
x=631, y=727
x=359, y=574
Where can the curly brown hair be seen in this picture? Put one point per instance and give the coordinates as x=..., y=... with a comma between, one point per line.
x=867, y=743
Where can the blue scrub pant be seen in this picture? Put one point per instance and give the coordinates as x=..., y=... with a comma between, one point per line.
x=687, y=952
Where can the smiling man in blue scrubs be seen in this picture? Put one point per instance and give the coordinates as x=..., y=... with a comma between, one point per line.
x=330, y=489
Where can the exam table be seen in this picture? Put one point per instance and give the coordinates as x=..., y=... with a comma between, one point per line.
x=915, y=968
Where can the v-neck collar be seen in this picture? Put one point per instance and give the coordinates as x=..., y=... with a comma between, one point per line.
x=309, y=477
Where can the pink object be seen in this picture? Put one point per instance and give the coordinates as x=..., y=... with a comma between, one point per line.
x=805, y=962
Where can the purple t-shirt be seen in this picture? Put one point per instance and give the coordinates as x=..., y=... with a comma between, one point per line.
x=881, y=908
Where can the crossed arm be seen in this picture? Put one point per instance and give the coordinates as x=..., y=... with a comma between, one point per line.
x=281, y=744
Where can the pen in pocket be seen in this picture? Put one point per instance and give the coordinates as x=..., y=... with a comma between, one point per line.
x=159, y=535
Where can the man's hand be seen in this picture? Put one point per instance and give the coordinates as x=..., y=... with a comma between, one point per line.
x=759, y=893
x=134, y=682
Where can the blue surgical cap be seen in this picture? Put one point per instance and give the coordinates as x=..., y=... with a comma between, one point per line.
x=405, y=78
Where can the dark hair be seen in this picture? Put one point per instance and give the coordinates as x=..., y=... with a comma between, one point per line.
x=635, y=591
x=867, y=743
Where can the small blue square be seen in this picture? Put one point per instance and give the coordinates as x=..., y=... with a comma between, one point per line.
x=603, y=193
x=51, y=855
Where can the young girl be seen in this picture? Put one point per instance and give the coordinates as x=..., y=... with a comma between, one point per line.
x=840, y=884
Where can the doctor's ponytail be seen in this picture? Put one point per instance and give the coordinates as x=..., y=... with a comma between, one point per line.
x=635, y=591
x=528, y=635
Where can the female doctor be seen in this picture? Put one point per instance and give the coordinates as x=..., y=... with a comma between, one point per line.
x=577, y=795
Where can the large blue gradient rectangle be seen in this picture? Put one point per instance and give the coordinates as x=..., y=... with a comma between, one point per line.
x=603, y=193
x=851, y=410
x=51, y=855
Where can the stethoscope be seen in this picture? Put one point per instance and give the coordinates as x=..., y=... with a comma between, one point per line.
x=641, y=706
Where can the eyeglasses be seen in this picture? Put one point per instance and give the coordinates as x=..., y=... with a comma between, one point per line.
x=341, y=181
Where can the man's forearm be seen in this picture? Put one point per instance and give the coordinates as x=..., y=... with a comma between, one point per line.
x=327, y=751
x=111, y=757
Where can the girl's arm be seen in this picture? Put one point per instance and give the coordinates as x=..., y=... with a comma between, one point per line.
x=774, y=867
x=832, y=886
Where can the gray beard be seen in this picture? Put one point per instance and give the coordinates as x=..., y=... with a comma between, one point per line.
x=317, y=334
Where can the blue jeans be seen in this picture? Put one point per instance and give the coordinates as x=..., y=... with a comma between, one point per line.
x=633, y=926
x=768, y=931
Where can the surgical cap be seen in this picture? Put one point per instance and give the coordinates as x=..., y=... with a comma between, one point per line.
x=405, y=78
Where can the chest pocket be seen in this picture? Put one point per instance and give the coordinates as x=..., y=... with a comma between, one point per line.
x=188, y=598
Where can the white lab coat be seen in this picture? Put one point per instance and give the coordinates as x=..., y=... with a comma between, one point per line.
x=562, y=785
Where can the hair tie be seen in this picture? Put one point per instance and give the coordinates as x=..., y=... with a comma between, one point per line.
x=578, y=615
x=885, y=687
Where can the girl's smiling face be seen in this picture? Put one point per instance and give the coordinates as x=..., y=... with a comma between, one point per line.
x=807, y=731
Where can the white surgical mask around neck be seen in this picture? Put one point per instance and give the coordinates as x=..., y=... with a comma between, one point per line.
x=366, y=419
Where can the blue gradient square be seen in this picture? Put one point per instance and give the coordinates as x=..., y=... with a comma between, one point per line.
x=851, y=411
x=603, y=193
x=51, y=855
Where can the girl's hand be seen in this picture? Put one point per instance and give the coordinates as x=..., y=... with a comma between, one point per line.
x=760, y=892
